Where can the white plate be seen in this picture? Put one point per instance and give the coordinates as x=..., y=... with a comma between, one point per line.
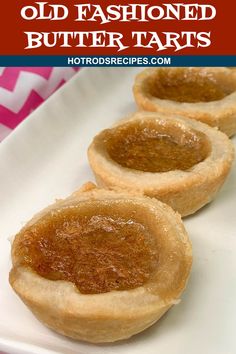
x=45, y=158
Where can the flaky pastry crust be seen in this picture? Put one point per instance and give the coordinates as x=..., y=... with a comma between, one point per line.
x=114, y=315
x=185, y=191
x=220, y=113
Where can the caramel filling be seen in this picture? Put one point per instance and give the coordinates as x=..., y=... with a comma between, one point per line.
x=186, y=85
x=149, y=148
x=97, y=250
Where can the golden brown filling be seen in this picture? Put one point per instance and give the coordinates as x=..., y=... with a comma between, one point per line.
x=186, y=85
x=148, y=148
x=95, y=251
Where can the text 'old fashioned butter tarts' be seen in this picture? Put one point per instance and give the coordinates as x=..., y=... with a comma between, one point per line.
x=204, y=94
x=101, y=266
x=177, y=160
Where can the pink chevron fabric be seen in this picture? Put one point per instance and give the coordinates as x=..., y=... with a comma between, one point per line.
x=23, y=89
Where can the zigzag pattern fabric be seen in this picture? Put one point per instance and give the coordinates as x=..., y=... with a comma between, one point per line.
x=23, y=89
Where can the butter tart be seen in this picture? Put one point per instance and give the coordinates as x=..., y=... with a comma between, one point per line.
x=101, y=265
x=180, y=161
x=205, y=94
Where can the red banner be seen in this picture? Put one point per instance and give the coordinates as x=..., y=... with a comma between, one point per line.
x=117, y=28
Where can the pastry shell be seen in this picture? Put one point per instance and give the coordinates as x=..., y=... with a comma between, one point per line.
x=220, y=113
x=115, y=315
x=185, y=191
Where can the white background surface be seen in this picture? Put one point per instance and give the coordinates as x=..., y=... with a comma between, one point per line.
x=45, y=158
